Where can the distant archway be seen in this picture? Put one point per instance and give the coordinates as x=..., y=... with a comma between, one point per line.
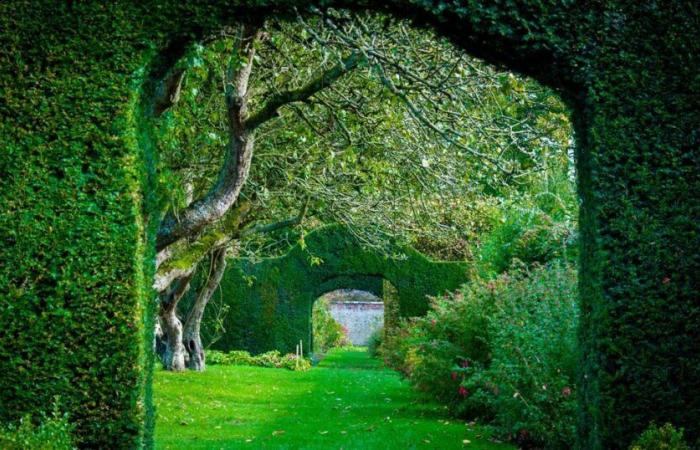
x=270, y=301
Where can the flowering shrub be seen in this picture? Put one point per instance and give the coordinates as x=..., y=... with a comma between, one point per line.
x=503, y=351
x=272, y=359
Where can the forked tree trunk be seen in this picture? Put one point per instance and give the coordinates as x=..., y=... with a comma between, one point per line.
x=173, y=352
x=192, y=338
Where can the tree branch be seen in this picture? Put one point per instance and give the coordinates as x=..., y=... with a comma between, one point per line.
x=184, y=259
x=269, y=110
x=168, y=91
x=238, y=155
x=268, y=228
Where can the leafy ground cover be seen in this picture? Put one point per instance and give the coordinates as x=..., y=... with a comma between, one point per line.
x=346, y=402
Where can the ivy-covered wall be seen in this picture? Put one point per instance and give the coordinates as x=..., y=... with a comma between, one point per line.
x=270, y=300
x=76, y=195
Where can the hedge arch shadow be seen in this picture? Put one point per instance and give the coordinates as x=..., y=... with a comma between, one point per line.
x=80, y=213
x=270, y=300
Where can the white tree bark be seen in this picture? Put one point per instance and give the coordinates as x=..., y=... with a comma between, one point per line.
x=174, y=354
x=192, y=338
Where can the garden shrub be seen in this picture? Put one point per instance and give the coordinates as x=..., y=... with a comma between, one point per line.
x=665, y=437
x=503, y=351
x=375, y=342
x=53, y=433
x=327, y=332
x=529, y=235
x=271, y=359
x=232, y=358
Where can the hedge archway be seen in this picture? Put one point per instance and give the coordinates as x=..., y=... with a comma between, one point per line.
x=270, y=301
x=79, y=215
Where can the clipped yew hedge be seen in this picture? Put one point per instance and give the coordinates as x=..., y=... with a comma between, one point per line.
x=270, y=300
x=78, y=204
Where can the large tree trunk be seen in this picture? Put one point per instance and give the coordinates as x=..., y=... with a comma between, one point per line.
x=239, y=152
x=173, y=353
x=192, y=337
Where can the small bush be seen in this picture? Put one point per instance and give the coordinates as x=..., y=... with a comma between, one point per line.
x=665, y=437
x=375, y=342
x=271, y=359
x=53, y=433
x=327, y=332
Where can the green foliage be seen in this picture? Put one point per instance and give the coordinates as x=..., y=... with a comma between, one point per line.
x=273, y=312
x=271, y=359
x=327, y=333
x=503, y=351
x=53, y=433
x=232, y=358
x=664, y=437
x=375, y=342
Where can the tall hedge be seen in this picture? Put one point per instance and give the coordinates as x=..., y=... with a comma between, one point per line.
x=270, y=300
x=75, y=167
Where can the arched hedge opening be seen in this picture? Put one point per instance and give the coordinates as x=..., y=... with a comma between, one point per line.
x=269, y=301
x=79, y=217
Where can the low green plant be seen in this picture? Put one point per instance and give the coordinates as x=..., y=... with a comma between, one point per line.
x=665, y=437
x=232, y=358
x=52, y=433
x=375, y=342
x=271, y=359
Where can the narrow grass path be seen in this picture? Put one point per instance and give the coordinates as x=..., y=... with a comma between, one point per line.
x=347, y=402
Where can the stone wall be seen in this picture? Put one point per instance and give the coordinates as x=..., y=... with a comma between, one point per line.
x=361, y=319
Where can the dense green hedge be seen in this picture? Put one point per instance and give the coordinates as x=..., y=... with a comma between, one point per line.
x=72, y=240
x=270, y=300
x=72, y=232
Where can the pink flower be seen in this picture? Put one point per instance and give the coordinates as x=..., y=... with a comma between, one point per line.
x=465, y=363
x=463, y=391
x=433, y=322
x=454, y=375
x=666, y=280
x=566, y=391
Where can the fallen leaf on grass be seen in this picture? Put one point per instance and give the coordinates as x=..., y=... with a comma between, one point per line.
x=278, y=432
x=323, y=432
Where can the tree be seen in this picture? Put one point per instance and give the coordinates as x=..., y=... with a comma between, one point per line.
x=352, y=119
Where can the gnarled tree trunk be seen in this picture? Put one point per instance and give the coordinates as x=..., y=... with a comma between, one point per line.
x=173, y=352
x=192, y=338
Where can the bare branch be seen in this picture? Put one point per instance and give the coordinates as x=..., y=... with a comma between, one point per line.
x=267, y=228
x=269, y=110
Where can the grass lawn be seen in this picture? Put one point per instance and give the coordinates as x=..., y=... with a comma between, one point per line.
x=347, y=402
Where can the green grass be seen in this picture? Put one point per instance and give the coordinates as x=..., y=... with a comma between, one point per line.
x=347, y=402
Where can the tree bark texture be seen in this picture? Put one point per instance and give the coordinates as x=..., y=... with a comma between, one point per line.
x=192, y=338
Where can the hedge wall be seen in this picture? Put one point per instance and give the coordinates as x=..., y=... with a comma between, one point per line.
x=75, y=170
x=270, y=300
